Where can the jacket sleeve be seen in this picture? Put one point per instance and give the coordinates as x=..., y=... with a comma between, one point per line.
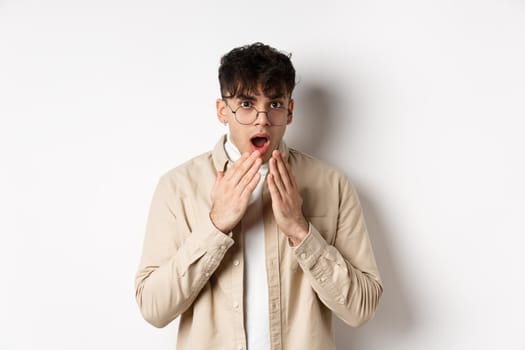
x=344, y=275
x=176, y=263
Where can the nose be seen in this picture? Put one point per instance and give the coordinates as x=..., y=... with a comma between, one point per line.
x=262, y=118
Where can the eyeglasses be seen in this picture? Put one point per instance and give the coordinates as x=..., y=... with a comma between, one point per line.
x=247, y=114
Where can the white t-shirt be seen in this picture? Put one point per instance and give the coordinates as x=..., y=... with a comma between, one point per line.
x=256, y=315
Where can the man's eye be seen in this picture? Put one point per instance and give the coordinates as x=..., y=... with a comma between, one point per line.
x=245, y=104
x=276, y=105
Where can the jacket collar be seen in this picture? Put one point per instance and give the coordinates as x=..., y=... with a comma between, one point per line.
x=221, y=160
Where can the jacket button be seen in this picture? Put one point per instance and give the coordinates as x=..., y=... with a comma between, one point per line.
x=235, y=262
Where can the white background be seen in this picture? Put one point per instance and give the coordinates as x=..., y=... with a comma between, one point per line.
x=421, y=103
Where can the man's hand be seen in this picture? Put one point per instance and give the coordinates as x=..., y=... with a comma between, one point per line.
x=286, y=200
x=231, y=193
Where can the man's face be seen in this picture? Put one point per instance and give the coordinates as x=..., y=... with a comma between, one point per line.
x=259, y=135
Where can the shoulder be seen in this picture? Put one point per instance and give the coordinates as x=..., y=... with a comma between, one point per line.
x=199, y=169
x=322, y=186
x=307, y=166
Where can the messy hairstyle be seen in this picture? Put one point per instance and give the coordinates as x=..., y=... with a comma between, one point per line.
x=245, y=68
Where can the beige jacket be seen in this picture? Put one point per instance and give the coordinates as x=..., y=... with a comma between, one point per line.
x=191, y=269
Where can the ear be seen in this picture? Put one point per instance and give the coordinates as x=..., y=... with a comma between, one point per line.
x=290, y=112
x=220, y=105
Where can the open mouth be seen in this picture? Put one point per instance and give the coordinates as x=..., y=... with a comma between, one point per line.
x=260, y=142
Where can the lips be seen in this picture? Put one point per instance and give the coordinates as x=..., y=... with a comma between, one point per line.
x=260, y=142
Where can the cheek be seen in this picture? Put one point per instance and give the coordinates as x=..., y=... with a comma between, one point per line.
x=278, y=135
x=235, y=139
x=239, y=139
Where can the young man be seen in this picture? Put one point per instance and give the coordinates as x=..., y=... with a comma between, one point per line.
x=255, y=244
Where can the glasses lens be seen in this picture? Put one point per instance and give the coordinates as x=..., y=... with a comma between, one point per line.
x=277, y=116
x=246, y=115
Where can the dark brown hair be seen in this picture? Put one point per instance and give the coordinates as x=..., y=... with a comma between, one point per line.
x=245, y=68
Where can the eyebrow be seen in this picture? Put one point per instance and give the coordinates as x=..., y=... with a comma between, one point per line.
x=276, y=96
x=253, y=98
x=245, y=97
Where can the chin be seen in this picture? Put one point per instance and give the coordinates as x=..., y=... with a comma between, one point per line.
x=268, y=154
x=266, y=157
